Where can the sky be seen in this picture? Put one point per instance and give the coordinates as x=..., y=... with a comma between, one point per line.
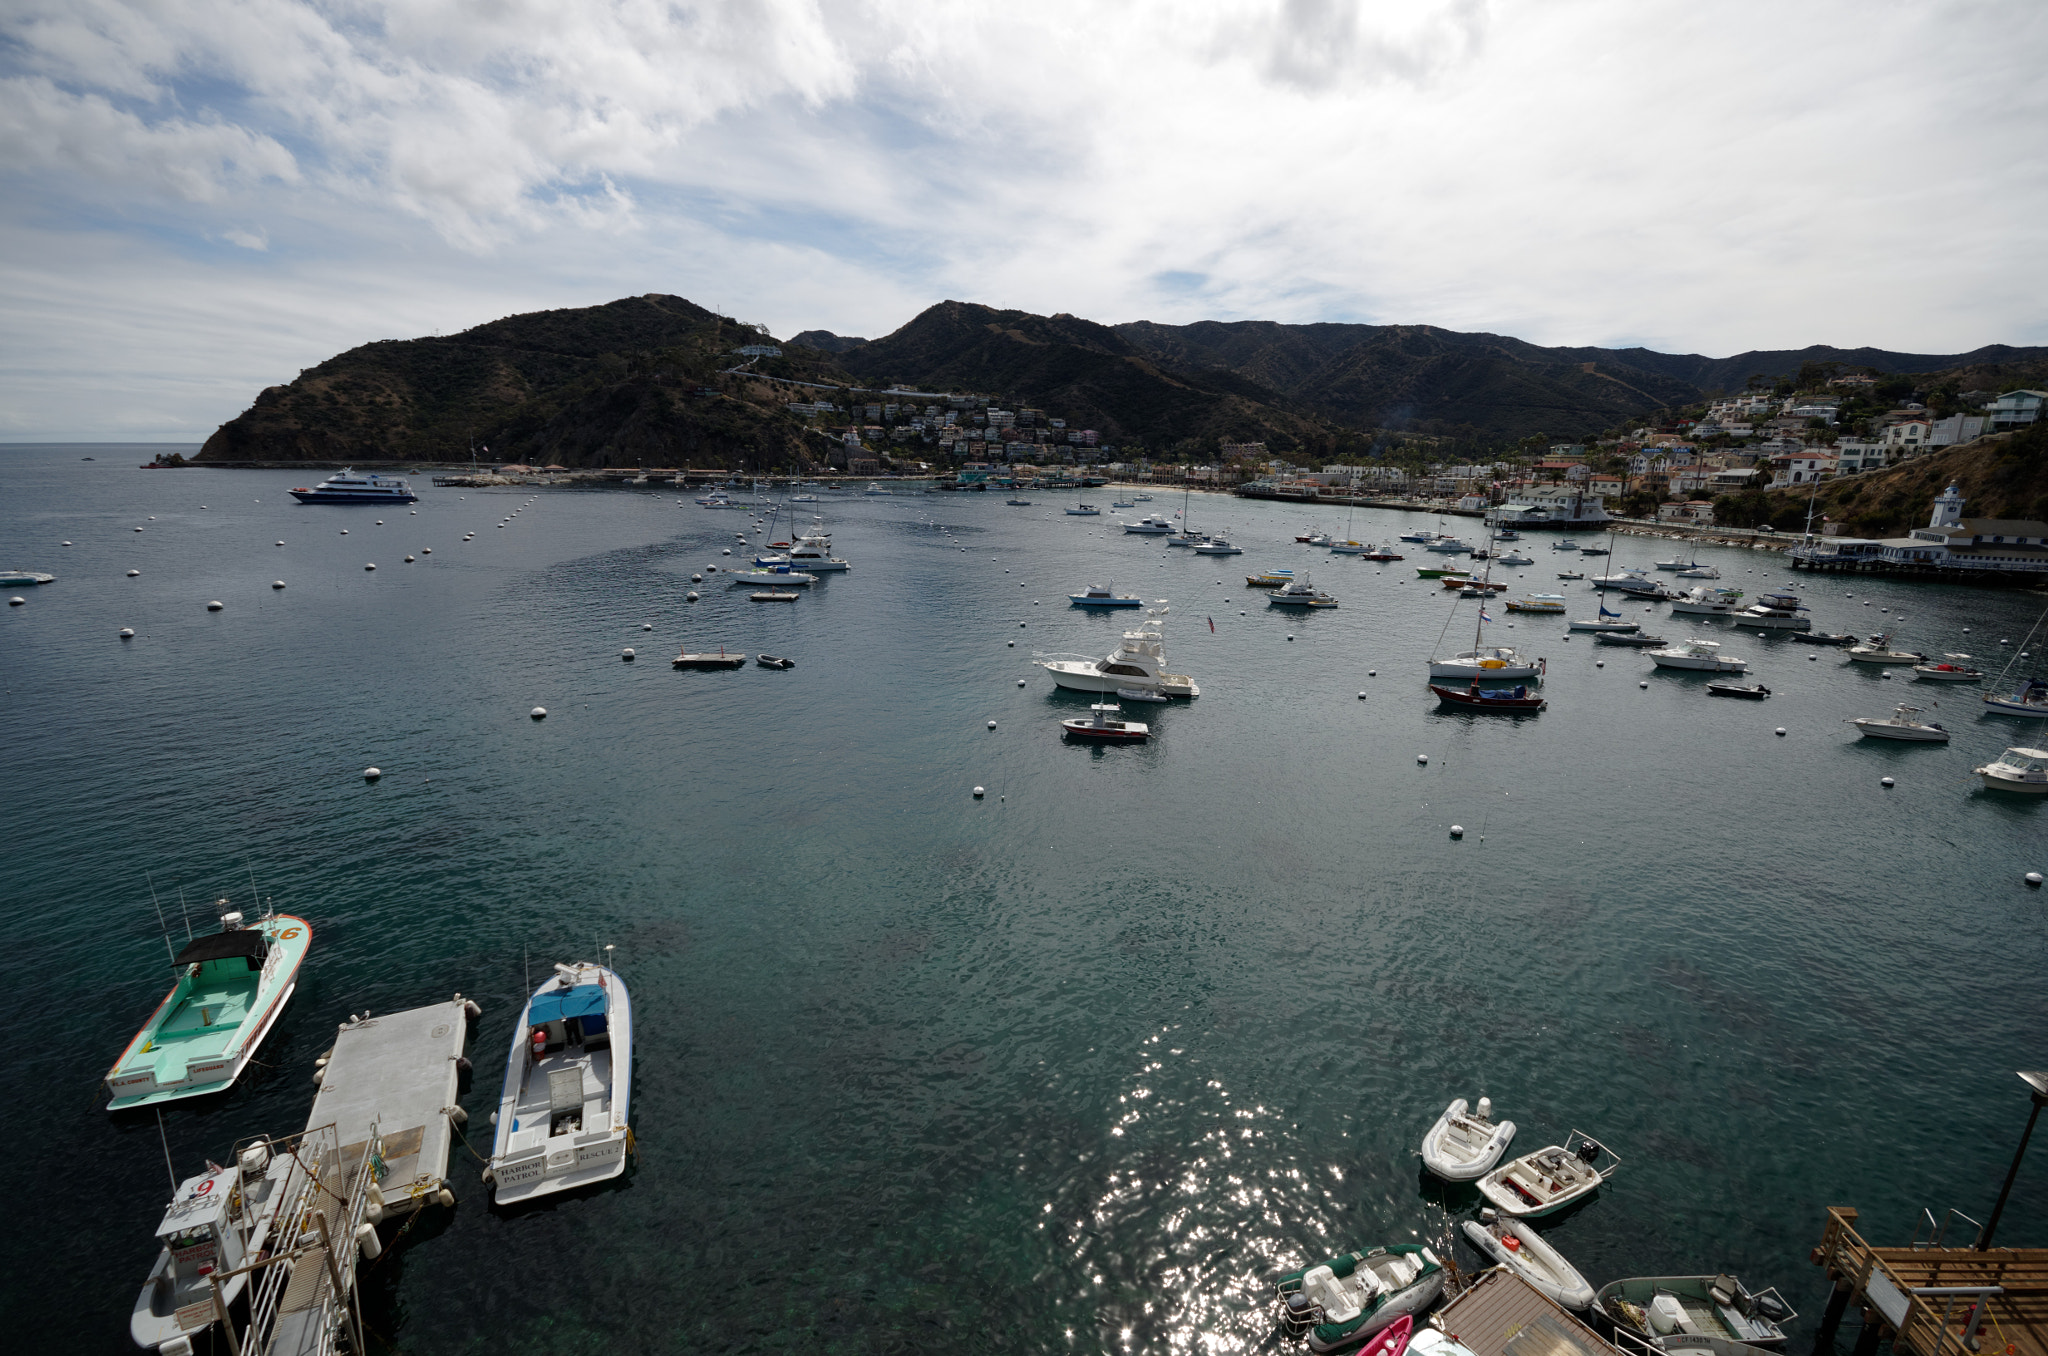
x=199, y=199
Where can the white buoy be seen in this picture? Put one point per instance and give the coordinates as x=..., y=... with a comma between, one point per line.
x=344, y=532
x=371, y=774
x=1885, y=674
x=2033, y=878
x=1813, y=659
x=1780, y=732
x=127, y=633
x=1457, y=830
x=1020, y=624
x=646, y=626
x=1290, y=637
x=408, y=560
x=692, y=597
x=370, y=566
x=1884, y=781
x=133, y=573
x=16, y=601
x=1361, y=694
x=696, y=579
x=1642, y=684
x=539, y=713
x=626, y=653
x=991, y=725
x=426, y=550
x=1011, y=643
x=152, y=517
x=215, y=606
x=1020, y=682
x=277, y=583
x=380, y=522
x=1421, y=758
x=138, y=529
x=1599, y=663
x=979, y=793
x=726, y=552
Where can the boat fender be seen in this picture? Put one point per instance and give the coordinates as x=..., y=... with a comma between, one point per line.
x=366, y=1239
x=462, y=1065
x=458, y=1116
x=319, y=1077
x=469, y=1007
x=373, y=1213
x=540, y=1041
x=446, y=1198
x=376, y=1196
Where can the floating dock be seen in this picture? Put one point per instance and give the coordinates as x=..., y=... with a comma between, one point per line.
x=395, y=1076
x=1497, y=1313
x=720, y=660
x=1929, y=1299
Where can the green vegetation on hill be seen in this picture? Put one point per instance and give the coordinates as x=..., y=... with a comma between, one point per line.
x=2005, y=476
x=637, y=381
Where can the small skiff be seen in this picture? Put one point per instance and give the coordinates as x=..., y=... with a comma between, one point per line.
x=1520, y=1249
x=1099, y=726
x=561, y=1120
x=1339, y=1302
x=770, y=661
x=1656, y=1308
x=229, y=990
x=1132, y=694
x=1549, y=1179
x=1755, y=692
x=1516, y=699
x=1462, y=1146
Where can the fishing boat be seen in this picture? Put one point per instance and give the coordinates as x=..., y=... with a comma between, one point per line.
x=1593, y=550
x=562, y=1118
x=2029, y=699
x=1755, y=692
x=1139, y=662
x=1948, y=671
x=1270, y=579
x=1506, y=534
x=1102, y=595
x=1347, y=547
x=1538, y=602
x=1341, y=1301
x=217, y=1224
x=1901, y=725
x=1656, y=1308
x=1516, y=700
x=1631, y=638
x=1459, y=581
x=1699, y=655
x=1549, y=1179
x=1444, y=572
x=1518, y=1247
x=228, y=991
x=2024, y=770
x=1300, y=593
x=1879, y=649
x=1564, y=544
x=1465, y=1142
x=1097, y=725
x=1677, y=563
x=1084, y=511
x=1774, y=612
x=1823, y=637
x=1373, y=552
x=346, y=487
x=1323, y=539
x=1513, y=558
x=770, y=661
x=1705, y=602
x=1217, y=546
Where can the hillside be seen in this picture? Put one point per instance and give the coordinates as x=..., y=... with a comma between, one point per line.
x=2004, y=476
x=1436, y=380
x=1088, y=374
x=614, y=385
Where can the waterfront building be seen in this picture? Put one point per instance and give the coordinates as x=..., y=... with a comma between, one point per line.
x=1951, y=541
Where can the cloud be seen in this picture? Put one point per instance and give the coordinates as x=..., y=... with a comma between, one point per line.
x=1570, y=171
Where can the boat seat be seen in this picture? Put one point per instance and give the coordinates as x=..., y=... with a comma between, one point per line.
x=1338, y=1302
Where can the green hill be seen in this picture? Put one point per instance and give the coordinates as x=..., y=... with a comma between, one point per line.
x=2003, y=476
x=634, y=381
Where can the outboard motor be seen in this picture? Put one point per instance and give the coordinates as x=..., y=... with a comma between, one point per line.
x=1588, y=1151
x=1772, y=1308
x=1299, y=1314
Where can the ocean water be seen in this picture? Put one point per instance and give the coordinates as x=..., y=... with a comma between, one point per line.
x=1080, y=1066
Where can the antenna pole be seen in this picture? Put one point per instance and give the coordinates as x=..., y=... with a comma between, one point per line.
x=183, y=916
x=166, y=1140
x=169, y=950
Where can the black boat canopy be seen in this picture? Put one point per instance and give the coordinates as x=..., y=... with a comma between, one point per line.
x=250, y=942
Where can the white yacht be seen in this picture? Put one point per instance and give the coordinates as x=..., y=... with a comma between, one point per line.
x=1880, y=650
x=1491, y=662
x=813, y=551
x=562, y=1117
x=876, y=490
x=1564, y=544
x=773, y=574
x=1512, y=557
x=1701, y=655
x=346, y=487
x=2023, y=770
x=1137, y=664
x=1954, y=668
x=1775, y=612
x=1901, y=725
x=1699, y=572
x=1084, y=511
x=1706, y=602
x=1152, y=526
x=1676, y=563
x=1217, y=546
x=1448, y=546
x=1629, y=580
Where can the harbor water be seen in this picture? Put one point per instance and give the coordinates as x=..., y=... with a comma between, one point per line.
x=1082, y=1065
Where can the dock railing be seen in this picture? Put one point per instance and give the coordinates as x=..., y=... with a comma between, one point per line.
x=1935, y=1298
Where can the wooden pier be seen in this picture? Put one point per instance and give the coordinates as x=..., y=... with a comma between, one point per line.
x=1931, y=1299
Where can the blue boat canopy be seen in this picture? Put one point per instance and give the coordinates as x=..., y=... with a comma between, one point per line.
x=556, y=1005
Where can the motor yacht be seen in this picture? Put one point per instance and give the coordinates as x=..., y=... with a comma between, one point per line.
x=1631, y=581
x=1138, y=663
x=1880, y=650
x=1705, y=602
x=1300, y=593
x=2023, y=770
x=813, y=551
x=1901, y=725
x=1699, y=572
x=1512, y=558
x=1700, y=655
x=1775, y=612
x=1102, y=595
x=1448, y=546
x=1152, y=526
x=1217, y=546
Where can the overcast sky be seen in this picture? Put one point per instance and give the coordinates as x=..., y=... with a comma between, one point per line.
x=200, y=197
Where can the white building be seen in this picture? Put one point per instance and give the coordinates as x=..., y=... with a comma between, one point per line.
x=1909, y=437
x=1954, y=542
x=1859, y=454
x=1957, y=428
x=2016, y=409
x=1800, y=468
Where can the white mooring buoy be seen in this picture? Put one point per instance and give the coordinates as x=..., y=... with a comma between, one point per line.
x=408, y=560
x=646, y=626
x=344, y=532
x=1643, y=685
x=2033, y=878
x=1780, y=732
x=1457, y=830
x=539, y=713
x=215, y=606
x=133, y=573
x=371, y=774
x=1361, y=694
x=1421, y=758
x=277, y=583
x=16, y=601
x=127, y=633
x=626, y=653
x=1884, y=781
x=979, y=793
x=370, y=566
x=991, y=725
x=692, y=597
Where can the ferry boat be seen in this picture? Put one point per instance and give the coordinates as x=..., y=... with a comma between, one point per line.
x=229, y=990
x=346, y=487
x=562, y=1117
x=1139, y=663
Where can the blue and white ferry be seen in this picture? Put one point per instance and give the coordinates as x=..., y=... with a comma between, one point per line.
x=346, y=487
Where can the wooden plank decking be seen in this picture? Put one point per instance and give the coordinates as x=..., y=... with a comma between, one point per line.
x=1884, y=1282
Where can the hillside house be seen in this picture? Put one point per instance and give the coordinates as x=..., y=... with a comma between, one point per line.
x=2015, y=409
x=1908, y=437
x=1693, y=512
x=1853, y=455
x=1957, y=428
x=1800, y=468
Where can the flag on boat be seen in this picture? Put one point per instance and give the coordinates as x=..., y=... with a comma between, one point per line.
x=1482, y=615
x=1211, y=621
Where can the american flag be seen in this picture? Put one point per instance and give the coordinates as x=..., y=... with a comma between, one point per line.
x=1483, y=615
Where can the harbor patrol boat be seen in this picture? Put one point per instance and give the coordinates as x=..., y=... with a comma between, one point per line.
x=346, y=487
x=562, y=1117
x=230, y=988
x=1138, y=664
